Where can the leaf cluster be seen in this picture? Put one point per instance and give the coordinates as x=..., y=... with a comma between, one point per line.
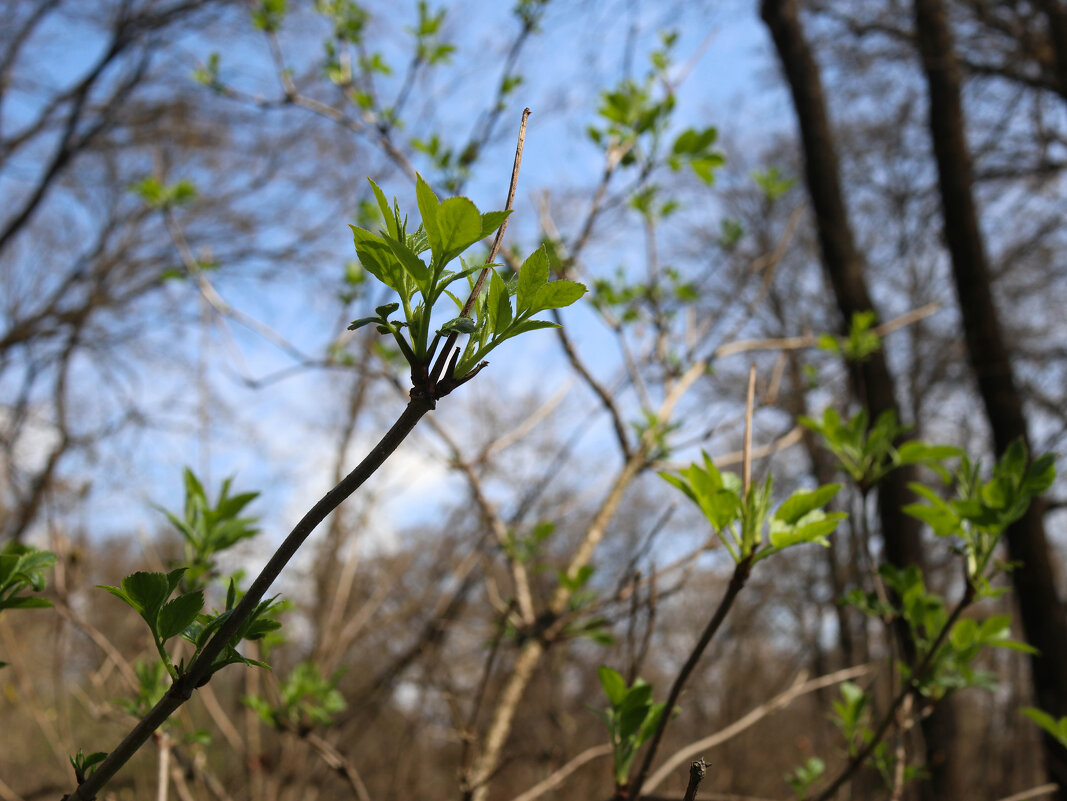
x=925, y=614
x=22, y=568
x=803, y=777
x=306, y=699
x=85, y=764
x=851, y=716
x=449, y=227
x=862, y=340
x=982, y=510
x=157, y=195
x=149, y=594
x=636, y=117
x=631, y=717
x=209, y=529
x=742, y=520
x=866, y=453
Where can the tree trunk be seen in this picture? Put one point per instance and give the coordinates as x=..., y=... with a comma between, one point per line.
x=871, y=378
x=1056, y=18
x=1043, y=616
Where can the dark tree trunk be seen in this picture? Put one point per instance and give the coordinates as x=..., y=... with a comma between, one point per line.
x=1056, y=17
x=874, y=385
x=1044, y=617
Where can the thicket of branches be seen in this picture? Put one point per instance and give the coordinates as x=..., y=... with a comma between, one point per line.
x=854, y=293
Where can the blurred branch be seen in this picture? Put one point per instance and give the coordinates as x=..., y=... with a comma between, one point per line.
x=558, y=776
x=811, y=341
x=801, y=686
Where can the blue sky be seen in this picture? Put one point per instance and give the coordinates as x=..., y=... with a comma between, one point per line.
x=279, y=442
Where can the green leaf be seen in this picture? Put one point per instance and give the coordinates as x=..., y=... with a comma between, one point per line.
x=613, y=683
x=1056, y=728
x=693, y=141
x=631, y=718
x=459, y=225
x=526, y=325
x=814, y=527
x=147, y=592
x=638, y=696
x=380, y=261
x=459, y=325
x=25, y=602
x=532, y=276
x=556, y=295
x=801, y=503
x=179, y=614
x=411, y=263
x=428, y=207
x=1013, y=462
x=499, y=304
x=916, y=452
x=1039, y=475
x=492, y=220
x=387, y=214
x=963, y=634
x=651, y=722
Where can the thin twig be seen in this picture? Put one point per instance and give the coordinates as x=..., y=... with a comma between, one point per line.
x=910, y=688
x=445, y=355
x=475, y=783
x=737, y=583
x=746, y=459
x=558, y=776
x=781, y=701
x=163, y=771
x=340, y=763
x=1034, y=792
x=216, y=301
x=811, y=341
x=900, y=751
x=201, y=669
x=598, y=389
x=697, y=771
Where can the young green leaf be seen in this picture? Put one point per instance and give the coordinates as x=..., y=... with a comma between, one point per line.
x=387, y=214
x=459, y=325
x=800, y=503
x=556, y=295
x=459, y=225
x=428, y=207
x=532, y=276
x=378, y=259
x=499, y=304
x=1056, y=728
x=613, y=683
x=411, y=263
x=177, y=615
x=491, y=221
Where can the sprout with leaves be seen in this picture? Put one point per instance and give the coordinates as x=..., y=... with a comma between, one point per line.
x=631, y=718
x=449, y=227
x=740, y=519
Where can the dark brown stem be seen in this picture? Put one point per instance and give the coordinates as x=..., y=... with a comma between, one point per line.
x=200, y=670
x=697, y=771
x=737, y=583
